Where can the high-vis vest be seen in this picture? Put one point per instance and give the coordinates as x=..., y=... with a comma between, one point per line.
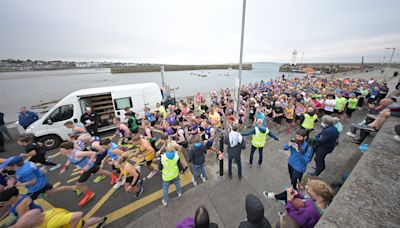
x=259, y=138
x=308, y=122
x=170, y=167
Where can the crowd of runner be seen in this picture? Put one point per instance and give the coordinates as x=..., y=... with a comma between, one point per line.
x=192, y=129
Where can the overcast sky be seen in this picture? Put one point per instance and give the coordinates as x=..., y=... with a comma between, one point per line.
x=202, y=31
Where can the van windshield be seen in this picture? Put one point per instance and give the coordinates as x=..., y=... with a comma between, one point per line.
x=62, y=113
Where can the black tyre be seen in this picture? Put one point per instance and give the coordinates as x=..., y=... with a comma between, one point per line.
x=50, y=142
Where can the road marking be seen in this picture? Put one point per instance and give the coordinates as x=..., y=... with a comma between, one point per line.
x=56, y=184
x=76, y=169
x=73, y=179
x=99, y=204
x=128, y=209
x=115, y=215
x=54, y=155
x=75, y=173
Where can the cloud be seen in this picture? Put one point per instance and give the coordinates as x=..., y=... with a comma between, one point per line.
x=190, y=31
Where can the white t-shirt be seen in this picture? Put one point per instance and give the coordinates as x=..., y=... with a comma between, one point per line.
x=329, y=105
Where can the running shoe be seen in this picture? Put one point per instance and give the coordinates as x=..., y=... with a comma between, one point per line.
x=99, y=178
x=139, y=193
x=194, y=181
x=152, y=174
x=203, y=178
x=87, y=198
x=269, y=195
x=113, y=179
x=55, y=167
x=350, y=134
x=118, y=184
x=77, y=192
x=397, y=138
x=102, y=222
x=164, y=203
x=179, y=194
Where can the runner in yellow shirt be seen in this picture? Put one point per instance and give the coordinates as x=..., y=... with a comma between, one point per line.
x=57, y=218
x=215, y=118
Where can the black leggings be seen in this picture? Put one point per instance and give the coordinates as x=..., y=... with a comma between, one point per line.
x=281, y=196
x=41, y=160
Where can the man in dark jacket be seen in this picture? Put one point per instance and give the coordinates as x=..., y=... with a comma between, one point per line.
x=255, y=214
x=197, y=158
x=3, y=129
x=89, y=119
x=235, y=145
x=326, y=141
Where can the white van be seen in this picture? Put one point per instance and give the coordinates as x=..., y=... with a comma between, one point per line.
x=106, y=102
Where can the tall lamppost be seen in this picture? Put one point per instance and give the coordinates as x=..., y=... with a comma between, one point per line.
x=239, y=80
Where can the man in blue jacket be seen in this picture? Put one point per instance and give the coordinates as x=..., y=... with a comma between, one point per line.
x=26, y=117
x=300, y=156
x=326, y=141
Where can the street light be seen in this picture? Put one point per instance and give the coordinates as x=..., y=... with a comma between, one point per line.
x=390, y=61
x=239, y=81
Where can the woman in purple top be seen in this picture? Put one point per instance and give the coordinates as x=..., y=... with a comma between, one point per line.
x=320, y=194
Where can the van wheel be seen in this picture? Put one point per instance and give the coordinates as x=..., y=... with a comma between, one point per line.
x=50, y=141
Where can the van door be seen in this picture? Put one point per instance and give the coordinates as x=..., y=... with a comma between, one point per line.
x=127, y=99
x=55, y=125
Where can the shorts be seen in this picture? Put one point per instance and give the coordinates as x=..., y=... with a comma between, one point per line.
x=349, y=111
x=35, y=195
x=153, y=123
x=288, y=120
x=338, y=112
x=278, y=120
x=209, y=144
x=58, y=217
x=148, y=163
x=100, y=158
x=328, y=113
x=129, y=180
x=85, y=176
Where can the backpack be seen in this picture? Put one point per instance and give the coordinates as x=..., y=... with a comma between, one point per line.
x=132, y=125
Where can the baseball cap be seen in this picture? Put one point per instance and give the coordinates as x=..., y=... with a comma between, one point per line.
x=11, y=161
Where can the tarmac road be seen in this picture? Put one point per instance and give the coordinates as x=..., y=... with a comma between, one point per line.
x=121, y=207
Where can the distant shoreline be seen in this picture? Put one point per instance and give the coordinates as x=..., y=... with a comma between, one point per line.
x=53, y=69
x=157, y=68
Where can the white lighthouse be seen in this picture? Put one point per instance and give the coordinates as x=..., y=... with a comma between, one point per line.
x=294, y=57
